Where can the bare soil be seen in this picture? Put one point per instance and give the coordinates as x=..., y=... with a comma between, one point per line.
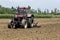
x=46, y=29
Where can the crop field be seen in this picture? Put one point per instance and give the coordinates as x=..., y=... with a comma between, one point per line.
x=35, y=15
x=46, y=29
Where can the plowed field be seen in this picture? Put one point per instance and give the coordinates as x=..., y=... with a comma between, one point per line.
x=46, y=29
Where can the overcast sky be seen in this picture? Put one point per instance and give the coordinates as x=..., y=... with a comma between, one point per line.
x=42, y=4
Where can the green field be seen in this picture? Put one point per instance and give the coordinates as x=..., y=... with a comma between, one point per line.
x=35, y=15
x=6, y=15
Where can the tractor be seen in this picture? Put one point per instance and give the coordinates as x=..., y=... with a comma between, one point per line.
x=22, y=18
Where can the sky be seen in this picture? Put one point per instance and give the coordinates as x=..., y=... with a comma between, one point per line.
x=35, y=4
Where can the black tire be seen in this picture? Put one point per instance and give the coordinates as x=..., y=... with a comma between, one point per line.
x=16, y=26
x=30, y=22
x=29, y=25
x=9, y=26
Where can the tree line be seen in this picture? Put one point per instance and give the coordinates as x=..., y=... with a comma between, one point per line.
x=5, y=10
x=12, y=10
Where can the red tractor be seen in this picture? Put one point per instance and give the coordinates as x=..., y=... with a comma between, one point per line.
x=22, y=18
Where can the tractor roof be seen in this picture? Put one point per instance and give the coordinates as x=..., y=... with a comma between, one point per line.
x=24, y=7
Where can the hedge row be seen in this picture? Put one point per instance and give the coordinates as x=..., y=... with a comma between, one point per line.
x=35, y=15
x=6, y=15
x=46, y=16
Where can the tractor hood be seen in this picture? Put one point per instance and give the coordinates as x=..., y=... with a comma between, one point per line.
x=18, y=15
x=23, y=15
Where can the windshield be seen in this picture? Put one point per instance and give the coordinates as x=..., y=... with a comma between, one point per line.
x=21, y=11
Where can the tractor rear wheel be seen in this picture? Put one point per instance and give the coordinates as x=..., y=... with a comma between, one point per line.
x=30, y=22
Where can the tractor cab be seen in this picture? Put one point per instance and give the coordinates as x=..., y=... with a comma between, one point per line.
x=20, y=11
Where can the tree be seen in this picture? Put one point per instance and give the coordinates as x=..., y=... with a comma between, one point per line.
x=0, y=6
x=47, y=11
x=55, y=10
x=52, y=12
x=39, y=11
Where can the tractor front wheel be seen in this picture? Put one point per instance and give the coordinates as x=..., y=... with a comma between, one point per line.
x=24, y=23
